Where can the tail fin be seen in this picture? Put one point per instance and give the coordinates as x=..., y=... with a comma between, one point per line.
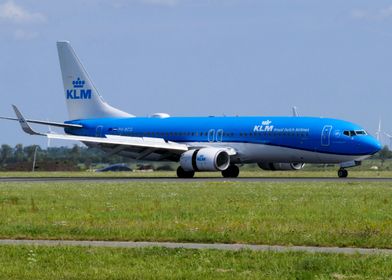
x=82, y=98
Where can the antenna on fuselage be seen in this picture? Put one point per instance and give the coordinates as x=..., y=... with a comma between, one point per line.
x=295, y=113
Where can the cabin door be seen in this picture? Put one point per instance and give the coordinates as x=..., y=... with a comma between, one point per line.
x=326, y=135
x=219, y=135
x=98, y=131
x=211, y=135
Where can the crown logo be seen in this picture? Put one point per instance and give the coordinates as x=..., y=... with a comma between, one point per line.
x=78, y=83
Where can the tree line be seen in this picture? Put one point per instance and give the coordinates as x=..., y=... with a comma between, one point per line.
x=72, y=156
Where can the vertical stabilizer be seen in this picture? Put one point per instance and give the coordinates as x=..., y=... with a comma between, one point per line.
x=82, y=98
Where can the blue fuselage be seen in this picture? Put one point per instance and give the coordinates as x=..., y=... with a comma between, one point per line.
x=321, y=135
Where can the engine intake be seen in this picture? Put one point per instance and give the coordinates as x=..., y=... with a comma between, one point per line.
x=205, y=159
x=280, y=166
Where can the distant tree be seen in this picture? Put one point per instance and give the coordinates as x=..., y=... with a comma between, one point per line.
x=29, y=151
x=384, y=154
x=6, y=153
x=18, y=153
x=75, y=153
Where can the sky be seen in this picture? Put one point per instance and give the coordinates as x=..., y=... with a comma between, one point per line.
x=201, y=58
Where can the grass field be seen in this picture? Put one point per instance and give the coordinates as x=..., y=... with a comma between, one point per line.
x=355, y=214
x=353, y=173
x=23, y=262
x=319, y=214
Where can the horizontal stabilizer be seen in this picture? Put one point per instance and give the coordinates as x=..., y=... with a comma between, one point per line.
x=57, y=124
x=25, y=126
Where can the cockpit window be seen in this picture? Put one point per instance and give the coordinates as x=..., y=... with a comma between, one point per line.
x=349, y=133
x=360, y=132
x=352, y=133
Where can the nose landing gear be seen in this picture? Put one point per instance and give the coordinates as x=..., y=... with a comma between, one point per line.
x=342, y=173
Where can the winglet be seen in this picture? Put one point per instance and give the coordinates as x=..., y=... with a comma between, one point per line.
x=25, y=126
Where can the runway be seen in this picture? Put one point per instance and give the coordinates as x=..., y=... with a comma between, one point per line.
x=198, y=246
x=193, y=180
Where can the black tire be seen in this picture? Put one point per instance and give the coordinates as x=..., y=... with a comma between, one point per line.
x=342, y=173
x=181, y=173
x=231, y=172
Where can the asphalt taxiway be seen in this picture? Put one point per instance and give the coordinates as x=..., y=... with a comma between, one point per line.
x=193, y=180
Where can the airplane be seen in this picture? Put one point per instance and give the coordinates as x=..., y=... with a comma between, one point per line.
x=201, y=143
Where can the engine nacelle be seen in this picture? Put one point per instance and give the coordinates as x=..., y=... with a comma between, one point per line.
x=205, y=159
x=280, y=166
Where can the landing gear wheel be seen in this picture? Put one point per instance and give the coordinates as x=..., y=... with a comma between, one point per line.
x=231, y=172
x=181, y=173
x=342, y=173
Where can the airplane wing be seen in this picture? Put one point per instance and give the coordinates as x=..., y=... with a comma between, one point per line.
x=137, y=142
x=140, y=146
x=136, y=147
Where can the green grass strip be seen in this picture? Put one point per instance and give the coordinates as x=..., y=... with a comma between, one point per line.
x=26, y=262
x=316, y=214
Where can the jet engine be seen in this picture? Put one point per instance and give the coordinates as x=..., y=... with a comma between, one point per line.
x=205, y=159
x=280, y=166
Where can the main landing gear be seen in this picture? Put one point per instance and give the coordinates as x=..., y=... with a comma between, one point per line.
x=181, y=173
x=342, y=173
x=231, y=172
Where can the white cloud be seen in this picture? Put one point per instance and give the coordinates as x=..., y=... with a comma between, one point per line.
x=381, y=14
x=11, y=12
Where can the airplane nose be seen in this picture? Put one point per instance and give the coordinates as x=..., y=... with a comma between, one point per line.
x=374, y=145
